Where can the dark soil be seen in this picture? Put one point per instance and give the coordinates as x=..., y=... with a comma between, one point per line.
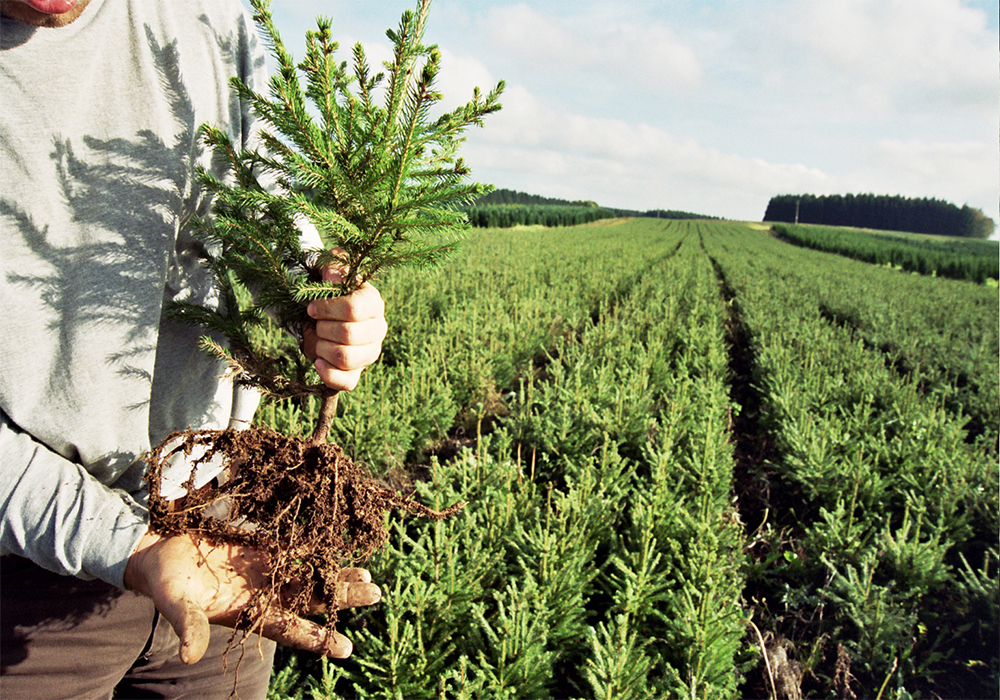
x=306, y=506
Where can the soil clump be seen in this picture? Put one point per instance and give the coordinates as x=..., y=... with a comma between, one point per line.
x=306, y=506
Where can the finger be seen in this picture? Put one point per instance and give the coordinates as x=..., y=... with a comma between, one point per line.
x=372, y=330
x=352, y=334
x=191, y=625
x=333, y=273
x=349, y=595
x=298, y=633
x=347, y=357
x=338, y=646
x=354, y=574
x=337, y=379
x=350, y=576
x=360, y=305
x=353, y=595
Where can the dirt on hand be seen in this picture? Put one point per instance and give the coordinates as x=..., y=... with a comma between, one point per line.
x=307, y=507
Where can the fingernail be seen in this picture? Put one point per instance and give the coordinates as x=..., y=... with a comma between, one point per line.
x=338, y=646
x=333, y=274
x=363, y=594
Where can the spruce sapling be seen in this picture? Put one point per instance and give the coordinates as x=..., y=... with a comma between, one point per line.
x=359, y=158
x=381, y=184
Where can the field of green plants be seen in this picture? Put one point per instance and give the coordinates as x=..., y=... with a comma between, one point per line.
x=699, y=462
x=958, y=258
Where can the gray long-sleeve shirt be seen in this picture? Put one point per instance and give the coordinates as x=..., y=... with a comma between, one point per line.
x=98, y=140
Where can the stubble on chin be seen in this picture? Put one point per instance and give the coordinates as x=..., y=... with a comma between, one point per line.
x=22, y=13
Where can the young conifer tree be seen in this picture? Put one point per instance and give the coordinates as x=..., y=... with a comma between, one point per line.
x=358, y=156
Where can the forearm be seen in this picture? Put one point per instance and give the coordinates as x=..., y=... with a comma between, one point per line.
x=57, y=515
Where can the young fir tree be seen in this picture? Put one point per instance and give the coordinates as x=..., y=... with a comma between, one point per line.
x=359, y=157
x=377, y=177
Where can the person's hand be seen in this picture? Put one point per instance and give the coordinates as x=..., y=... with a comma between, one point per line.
x=348, y=334
x=193, y=583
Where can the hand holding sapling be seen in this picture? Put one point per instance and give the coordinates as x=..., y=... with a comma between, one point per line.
x=381, y=184
x=347, y=335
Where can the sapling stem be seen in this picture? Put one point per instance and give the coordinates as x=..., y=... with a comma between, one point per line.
x=327, y=414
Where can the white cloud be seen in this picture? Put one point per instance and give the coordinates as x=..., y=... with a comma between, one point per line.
x=459, y=76
x=532, y=36
x=641, y=166
x=650, y=55
x=641, y=106
x=891, y=53
x=971, y=160
x=623, y=164
x=966, y=172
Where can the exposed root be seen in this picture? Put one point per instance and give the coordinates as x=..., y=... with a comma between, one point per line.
x=306, y=507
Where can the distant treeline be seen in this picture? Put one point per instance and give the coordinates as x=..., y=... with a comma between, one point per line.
x=973, y=260
x=662, y=214
x=508, y=215
x=506, y=208
x=882, y=212
x=503, y=196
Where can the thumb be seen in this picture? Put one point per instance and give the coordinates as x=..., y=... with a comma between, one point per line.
x=191, y=625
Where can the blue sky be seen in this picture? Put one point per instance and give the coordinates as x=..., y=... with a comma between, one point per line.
x=713, y=106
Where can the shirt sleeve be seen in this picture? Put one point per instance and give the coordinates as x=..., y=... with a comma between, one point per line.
x=59, y=516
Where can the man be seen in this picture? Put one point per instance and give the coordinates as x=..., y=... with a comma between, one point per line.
x=102, y=100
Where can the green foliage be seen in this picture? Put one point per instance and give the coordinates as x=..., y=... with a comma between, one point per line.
x=519, y=208
x=663, y=214
x=507, y=208
x=963, y=259
x=380, y=182
x=504, y=196
x=509, y=215
x=599, y=507
x=584, y=409
x=893, y=482
x=881, y=212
